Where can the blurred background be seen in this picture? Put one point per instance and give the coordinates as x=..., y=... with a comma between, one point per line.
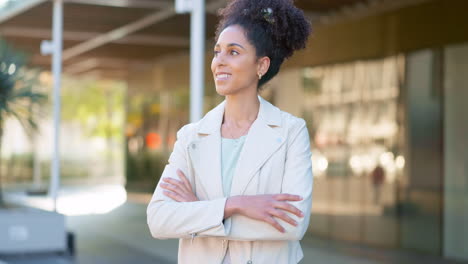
x=382, y=86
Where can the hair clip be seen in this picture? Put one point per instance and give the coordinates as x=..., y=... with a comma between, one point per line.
x=268, y=15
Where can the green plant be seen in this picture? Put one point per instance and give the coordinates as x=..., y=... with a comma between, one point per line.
x=17, y=92
x=144, y=170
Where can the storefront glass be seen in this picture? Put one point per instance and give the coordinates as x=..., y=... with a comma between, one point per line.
x=354, y=115
x=456, y=152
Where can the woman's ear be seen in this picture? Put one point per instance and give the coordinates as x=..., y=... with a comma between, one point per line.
x=263, y=65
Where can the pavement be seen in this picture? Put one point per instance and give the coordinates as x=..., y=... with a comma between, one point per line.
x=122, y=237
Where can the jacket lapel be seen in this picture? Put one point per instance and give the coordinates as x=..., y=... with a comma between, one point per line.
x=262, y=141
x=205, y=152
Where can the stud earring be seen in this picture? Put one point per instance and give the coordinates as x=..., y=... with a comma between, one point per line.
x=259, y=76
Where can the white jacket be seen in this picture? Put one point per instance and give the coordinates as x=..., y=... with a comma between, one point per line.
x=276, y=158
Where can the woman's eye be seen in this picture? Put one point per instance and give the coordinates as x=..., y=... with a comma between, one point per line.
x=215, y=52
x=233, y=52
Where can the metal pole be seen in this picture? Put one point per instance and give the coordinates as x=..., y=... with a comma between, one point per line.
x=37, y=184
x=57, y=73
x=197, y=59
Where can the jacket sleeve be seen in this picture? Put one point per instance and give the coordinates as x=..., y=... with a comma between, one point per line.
x=167, y=218
x=297, y=180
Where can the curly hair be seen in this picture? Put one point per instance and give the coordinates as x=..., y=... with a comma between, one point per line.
x=276, y=28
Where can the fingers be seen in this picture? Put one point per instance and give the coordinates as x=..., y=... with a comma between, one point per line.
x=174, y=196
x=177, y=183
x=283, y=216
x=176, y=188
x=172, y=188
x=287, y=197
x=289, y=208
x=274, y=223
x=282, y=204
x=184, y=179
x=181, y=188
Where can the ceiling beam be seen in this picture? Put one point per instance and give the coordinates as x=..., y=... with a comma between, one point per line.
x=365, y=9
x=82, y=66
x=89, y=64
x=148, y=4
x=118, y=33
x=128, y=29
x=114, y=74
x=214, y=6
x=110, y=62
x=42, y=33
x=17, y=9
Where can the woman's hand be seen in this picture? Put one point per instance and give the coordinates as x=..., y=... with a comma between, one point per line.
x=264, y=208
x=178, y=190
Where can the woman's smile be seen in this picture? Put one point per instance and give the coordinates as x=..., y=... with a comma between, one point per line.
x=222, y=76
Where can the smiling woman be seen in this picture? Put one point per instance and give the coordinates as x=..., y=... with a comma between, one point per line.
x=238, y=186
x=235, y=66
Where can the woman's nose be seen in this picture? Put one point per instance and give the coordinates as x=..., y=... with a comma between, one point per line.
x=219, y=59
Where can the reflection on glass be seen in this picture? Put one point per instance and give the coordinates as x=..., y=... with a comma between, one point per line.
x=320, y=164
x=352, y=111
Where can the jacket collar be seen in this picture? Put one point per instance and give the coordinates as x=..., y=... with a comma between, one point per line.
x=211, y=123
x=261, y=142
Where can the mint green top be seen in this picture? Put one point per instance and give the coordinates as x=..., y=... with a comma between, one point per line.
x=230, y=152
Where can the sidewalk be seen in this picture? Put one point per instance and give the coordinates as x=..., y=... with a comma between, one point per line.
x=365, y=254
x=126, y=226
x=122, y=237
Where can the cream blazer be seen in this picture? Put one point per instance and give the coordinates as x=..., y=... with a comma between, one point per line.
x=276, y=158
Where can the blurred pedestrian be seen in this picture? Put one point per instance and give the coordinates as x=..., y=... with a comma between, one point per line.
x=378, y=178
x=238, y=186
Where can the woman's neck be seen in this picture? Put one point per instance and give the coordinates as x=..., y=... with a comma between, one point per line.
x=241, y=110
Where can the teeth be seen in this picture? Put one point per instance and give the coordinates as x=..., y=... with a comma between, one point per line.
x=223, y=76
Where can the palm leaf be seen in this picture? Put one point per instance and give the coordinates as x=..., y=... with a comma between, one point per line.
x=18, y=95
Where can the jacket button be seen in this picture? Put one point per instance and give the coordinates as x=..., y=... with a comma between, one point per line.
x=194, y=146
x=249, y=262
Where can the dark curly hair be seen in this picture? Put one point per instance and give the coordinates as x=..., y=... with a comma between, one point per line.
x=276, y=28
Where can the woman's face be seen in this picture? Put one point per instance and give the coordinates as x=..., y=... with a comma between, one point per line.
x=235, y=65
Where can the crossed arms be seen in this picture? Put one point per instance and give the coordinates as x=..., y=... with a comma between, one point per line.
x=175, y=211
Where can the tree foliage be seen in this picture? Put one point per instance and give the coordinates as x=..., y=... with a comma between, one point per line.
x=18, y=88
x=97, y=105
x=18, y=92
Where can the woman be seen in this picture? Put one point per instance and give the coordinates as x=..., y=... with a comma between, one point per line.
x=238, y=185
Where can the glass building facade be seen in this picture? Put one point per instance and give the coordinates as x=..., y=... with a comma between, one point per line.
x=389, y=148
x=353, y=114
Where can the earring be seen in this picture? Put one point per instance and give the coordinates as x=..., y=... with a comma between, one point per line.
x=259, y=76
